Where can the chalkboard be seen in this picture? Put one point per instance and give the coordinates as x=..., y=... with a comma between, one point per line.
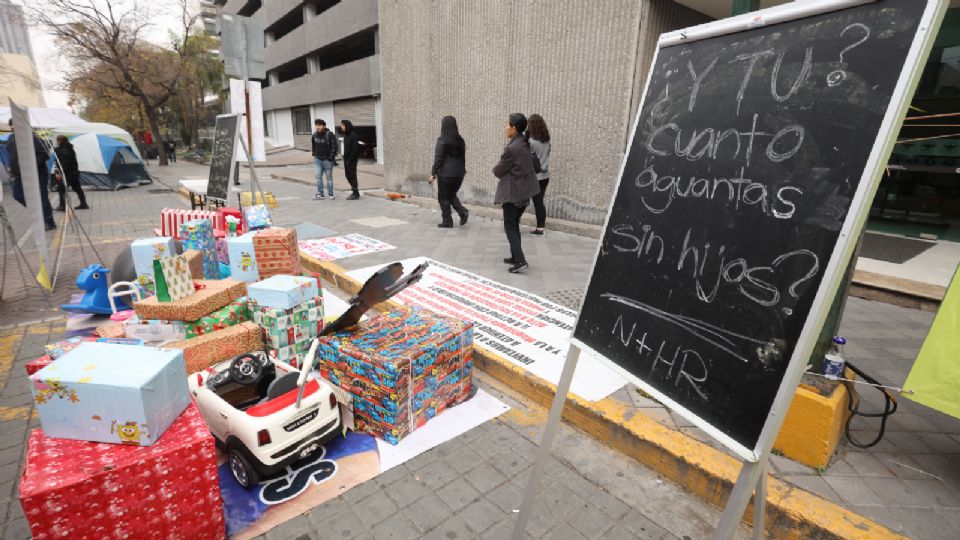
x=221, y=162
x=748, y=151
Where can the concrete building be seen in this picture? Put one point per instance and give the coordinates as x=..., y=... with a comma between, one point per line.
x=18, y=72
x=322, y=61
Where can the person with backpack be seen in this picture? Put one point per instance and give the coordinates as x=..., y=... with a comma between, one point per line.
x=69, y=172
x=517, y=184
x=449, y=167
x=351, y=155
x=324, y=148
x=539, y=138
x=43, y=175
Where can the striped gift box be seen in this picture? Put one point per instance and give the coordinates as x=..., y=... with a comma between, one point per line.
x=172, y=218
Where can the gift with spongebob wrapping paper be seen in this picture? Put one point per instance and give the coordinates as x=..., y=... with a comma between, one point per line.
x=235, y=312
x=243, y=258
x=402, y=368
x=144, y=252
x=60, y=348
x=204, y=351
x=283, y=327
x=78, y=489
x=198, y=234
x=277, y=252
x=102, y=392
x=211, y=295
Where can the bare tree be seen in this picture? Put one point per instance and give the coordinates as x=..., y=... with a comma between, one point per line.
x=104, y=42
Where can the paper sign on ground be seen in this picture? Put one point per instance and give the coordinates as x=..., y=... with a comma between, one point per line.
x=341, y=247
x=531, y=331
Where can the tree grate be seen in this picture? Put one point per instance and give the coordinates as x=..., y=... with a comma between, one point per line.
x=569, y=298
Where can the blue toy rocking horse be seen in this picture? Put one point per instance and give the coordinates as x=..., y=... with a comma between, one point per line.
x=93, y=281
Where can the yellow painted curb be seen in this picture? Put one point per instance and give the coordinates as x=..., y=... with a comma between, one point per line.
x=792, y=513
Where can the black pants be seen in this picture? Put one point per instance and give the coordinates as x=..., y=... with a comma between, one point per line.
x=350, y=170
x=447, y=188
x=538, y=207
x=73, y=180
x=511, y=225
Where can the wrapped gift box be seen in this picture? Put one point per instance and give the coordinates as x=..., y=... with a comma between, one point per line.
x=145, y=251
x=285, y=327
x=223, y=256
x=111, y=330
x=198, y=235
x=37, y=364
x=277, y=253
x=233, y=313
x=402, y=368
x=60, y=348
x=78, y=489
x=195, y=262
x=212, y=295
x=282, y=292
x=153, y=330
x=204, y=351
x=243, y=258
x=172, y=218
x=222, y=214
x=102, y=392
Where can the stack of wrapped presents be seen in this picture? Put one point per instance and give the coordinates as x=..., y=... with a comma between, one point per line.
x=289, y=311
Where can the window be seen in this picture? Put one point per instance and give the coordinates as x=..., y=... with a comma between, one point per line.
x=301, y=120
x=266, y=124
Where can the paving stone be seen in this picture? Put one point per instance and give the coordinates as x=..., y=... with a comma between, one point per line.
x=852, y=490
x=642, y=527
x=361, y=491
x=396, y=473
x=320, y=514
x=398, y=527
x=16, y=530
x=867, y=465
x=480, y=515
x=375, y=508
x=427, y=513
x=590, y=521
x=406, y=491
x=511, y=465
x=345, y=525
x=485, y=477
x=436, y=475
x=815, y=485
x=458, y=494
x=566, y=531
x=892, y=491
x=499, y=531
x=292, y=528
x=450, y=529
x=508, y=497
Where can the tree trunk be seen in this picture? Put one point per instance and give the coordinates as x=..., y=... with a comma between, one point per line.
x=155, y=128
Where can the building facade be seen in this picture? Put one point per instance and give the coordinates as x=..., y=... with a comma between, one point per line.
x=322, y=61
x=19, y=79
x=580, y=65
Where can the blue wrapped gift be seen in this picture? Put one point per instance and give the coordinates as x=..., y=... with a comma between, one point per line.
x=243, y=259
x=111, y=393
x=257, y=217
x=145, y=251
x=198, y=234
x=283, y=292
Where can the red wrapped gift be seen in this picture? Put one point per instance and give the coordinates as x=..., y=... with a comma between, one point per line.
x=79, y=489
x=37, y=364
x=225, y=211
x=277, y=252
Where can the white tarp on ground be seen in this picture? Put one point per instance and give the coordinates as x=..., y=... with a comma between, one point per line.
x=530, y=331
x=45, y=117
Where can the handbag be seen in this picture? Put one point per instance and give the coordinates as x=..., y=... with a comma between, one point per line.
x=537, y=166
x=173, y=278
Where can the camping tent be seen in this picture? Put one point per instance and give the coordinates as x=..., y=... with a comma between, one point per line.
x=107, y=155
x=41, y=117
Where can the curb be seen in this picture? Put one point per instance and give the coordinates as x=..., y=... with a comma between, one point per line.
x=791, y=513
x=898, y=291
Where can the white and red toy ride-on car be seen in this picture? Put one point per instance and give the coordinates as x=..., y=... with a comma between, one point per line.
x=265, y=413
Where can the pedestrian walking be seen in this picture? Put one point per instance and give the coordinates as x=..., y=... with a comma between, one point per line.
x=449, y=168
x=351, y=155
x=324, y=148
x=171, y=148
x=539, y=138
x=43, y=175
x=69, y=171
x=518, y=183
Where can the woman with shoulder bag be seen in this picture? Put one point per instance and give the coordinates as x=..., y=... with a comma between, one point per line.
x=517, y=184
x=539, y=138
x=449, y=166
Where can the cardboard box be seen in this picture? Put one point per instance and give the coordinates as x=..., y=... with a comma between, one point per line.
x=78, y=489
x=277, y=252
x=234, y=313
x=246, y=199
x=285, y=327
x=153, y=330
x=37, y=364
x=198, y=235
x=212, y=295
x=195, y=262
x=402, y=368
x=204, y=351
x=145, y=251
x=243, y=258
x=60, y=348
x=282, y=292
x=111, y=393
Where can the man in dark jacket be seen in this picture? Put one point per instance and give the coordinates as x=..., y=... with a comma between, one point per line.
x=351, y=155
x=69, y=171
x=324, y=147
x=41, y=156
x=518, y=183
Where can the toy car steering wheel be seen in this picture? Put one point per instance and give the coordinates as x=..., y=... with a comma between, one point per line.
x=246, y=369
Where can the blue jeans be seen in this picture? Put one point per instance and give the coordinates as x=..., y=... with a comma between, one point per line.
x=321, y=167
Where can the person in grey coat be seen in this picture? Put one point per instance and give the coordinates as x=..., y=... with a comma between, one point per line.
x=518, y=183
x=539, y=138
x=449, y=157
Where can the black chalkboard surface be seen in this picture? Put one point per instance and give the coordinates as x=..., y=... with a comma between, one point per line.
x=222, y=160
x=748, y=151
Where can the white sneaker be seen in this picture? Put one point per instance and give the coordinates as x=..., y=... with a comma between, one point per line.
x=332, y=197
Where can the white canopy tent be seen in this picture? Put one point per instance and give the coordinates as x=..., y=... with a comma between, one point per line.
x=41, y=117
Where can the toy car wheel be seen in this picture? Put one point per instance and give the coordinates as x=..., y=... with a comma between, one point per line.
x=242, y=471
